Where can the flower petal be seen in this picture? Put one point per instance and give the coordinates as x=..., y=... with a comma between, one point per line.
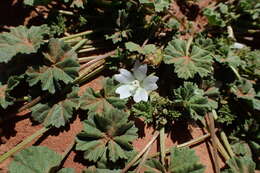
x=125, y=91
x=141, y=95
x=149, y=83
x=140, y=71
x=124, y=77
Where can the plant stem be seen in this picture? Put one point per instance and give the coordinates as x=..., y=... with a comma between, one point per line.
x=140, y=153
x=98, y=58
x=70, y=13
x=91, y=74
x=226, y=143
x=143, y=160
x=188, y=45
x=78, y=35
x=23, y=143
x=88, y=49
x=162, y=144
x=31, y=103
x=86, y=59
x=211, y=124
x=236, y=72
x=186, y=144
x=79, y=44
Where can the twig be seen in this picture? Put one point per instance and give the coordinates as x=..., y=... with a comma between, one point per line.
x=140, y=153
x=79, y=44
x=211, y=124
x=23, y=143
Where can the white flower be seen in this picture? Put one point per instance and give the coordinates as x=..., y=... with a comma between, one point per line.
x=137, y=84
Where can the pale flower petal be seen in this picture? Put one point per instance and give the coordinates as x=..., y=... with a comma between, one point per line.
x=125, y=91
x=140, y=71
x=149, y=83
x=237, y=45
x=124, y=77
x=141, y=95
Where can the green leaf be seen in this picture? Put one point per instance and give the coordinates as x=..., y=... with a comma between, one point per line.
x=133, y=47
x=57, y=112
x=214, y=18
x=244, y=90
x=154, y=166
x=161, y=5
x=96, y=102
x=62, y=67
x=192, y=99
x=98, y=170
x=67, y=170
x=21, y=40
x=5, y=98
x=36, y=2
x=35, y=159
x=109, y=135
x=188, y=61
x=240, y=165
x=184, y=160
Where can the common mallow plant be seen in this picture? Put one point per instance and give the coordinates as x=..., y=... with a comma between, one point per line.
x=136, y=84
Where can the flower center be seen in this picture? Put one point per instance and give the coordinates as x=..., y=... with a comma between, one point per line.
x=136, y=83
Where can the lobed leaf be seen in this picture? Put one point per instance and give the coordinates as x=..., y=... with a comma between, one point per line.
x=21, y=40
x=109, y=135
x=97, y=102
x=56, y=113
x=35, y=159
x=192, y=99
x=63, y=67
x=188, y=62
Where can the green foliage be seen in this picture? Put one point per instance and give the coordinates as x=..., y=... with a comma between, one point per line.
x=182, y=160
x=35, y=160
x=159, y=5
x=97, y=102
x=190, y=97
x=244, y=90
x=61, y=67
x=188, y=60
x=240, y=165
x=147, y=49
x=36, y=2
x=58, y=111
x=158, y=109
x=21, y=40
x=66, y=170
x=109, y=135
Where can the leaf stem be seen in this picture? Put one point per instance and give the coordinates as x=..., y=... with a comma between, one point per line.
x=188, y=45
x=140, y=153
x=236, y=72
x=162, y=144
x=23, y=144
